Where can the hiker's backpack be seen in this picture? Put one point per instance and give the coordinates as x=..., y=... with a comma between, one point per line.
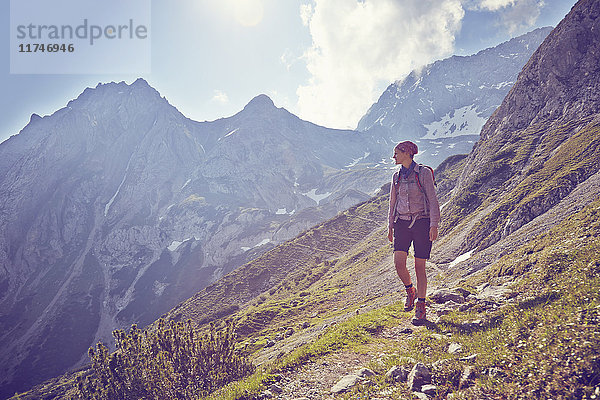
x=419, y=180
x=397, y=177
x=397, y=181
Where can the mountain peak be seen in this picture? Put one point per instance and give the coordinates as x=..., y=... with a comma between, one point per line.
x=561, y=78
x=260, y=103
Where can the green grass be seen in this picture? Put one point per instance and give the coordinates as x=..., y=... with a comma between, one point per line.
x=545, y=343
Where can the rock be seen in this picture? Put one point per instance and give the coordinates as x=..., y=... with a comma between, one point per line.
x=420, y=375
x=455, y=348
x=345, y=384
x=289, y=332
x=444, y=295
x=267, y=394
x=470, y=358
x=270, y=343
x=472, y=325
x=446, y=308
x=462, y=291
x=276, y=389
x=365, y=373
x=439, y=364
x=494, y=372
x=305, y=325
x=494, y=293
x=397, y=374
x=467, y=377
x=429, y=390
x=421, y=396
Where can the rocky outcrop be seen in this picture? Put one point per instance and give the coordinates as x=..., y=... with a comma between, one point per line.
x=561, y=80
x=539, y=145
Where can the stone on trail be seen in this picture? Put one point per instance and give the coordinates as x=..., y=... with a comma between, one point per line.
x=345, y=384
x=455, y=348
x=445, y=295
x=429, y=390
x=396, y=374
x=419, y=376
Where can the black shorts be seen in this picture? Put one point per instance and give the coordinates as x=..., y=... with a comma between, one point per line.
x=418, y=235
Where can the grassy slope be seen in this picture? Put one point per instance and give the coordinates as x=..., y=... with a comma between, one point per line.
x=545, y=343
x=557, y=285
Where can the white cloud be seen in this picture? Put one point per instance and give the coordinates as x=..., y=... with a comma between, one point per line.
x=495, y=5
x=220, y=97
x=515, y=16
x=360, y=46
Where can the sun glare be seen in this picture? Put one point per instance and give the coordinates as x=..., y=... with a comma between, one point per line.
x=248, y=12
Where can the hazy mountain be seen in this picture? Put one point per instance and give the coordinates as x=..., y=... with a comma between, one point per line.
x=134, y=205
x=117, y=207
x=519, y=247
x=444, y=106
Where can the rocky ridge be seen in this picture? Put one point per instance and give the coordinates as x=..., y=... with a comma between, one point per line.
x=444, y=105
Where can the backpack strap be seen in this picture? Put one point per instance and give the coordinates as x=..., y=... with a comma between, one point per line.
x=426, y=200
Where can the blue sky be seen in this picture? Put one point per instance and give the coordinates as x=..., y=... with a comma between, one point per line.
x=324, y=60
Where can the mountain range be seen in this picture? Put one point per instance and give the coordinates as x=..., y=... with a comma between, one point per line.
x=445, y=104
x=514, y=276
x=117, y=208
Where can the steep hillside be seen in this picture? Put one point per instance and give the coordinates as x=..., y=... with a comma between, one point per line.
x=522, y=215
x=513, y=278
x=539, y=145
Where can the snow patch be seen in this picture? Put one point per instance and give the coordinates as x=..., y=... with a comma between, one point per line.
x=175, y=244
x=262, y=243
x=316, y=197
x=463, y=121
x=461, y=258
x=283, y=211
x=229, y=134
x=112, y=199
x=357, y=160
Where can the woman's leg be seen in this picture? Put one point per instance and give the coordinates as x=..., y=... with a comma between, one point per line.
x=401, y=269
x=421, y=277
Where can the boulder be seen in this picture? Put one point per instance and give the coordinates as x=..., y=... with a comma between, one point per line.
x=420, y=375
x=445, y=295
x=345, y=384
x=397, y=374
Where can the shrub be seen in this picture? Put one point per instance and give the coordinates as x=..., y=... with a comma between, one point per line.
x=171, y=361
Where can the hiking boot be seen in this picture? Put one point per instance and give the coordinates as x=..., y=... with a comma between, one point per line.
x=411, y=296
x=420, y=312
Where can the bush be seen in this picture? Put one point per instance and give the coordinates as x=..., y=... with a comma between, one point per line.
x=171, y=361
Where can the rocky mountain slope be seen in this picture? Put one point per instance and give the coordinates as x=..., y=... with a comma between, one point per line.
x=117, y=207
x=513, y=279
x=520, y=213
x=445, y=105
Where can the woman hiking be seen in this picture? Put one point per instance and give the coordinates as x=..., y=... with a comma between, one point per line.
x=413, y=218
